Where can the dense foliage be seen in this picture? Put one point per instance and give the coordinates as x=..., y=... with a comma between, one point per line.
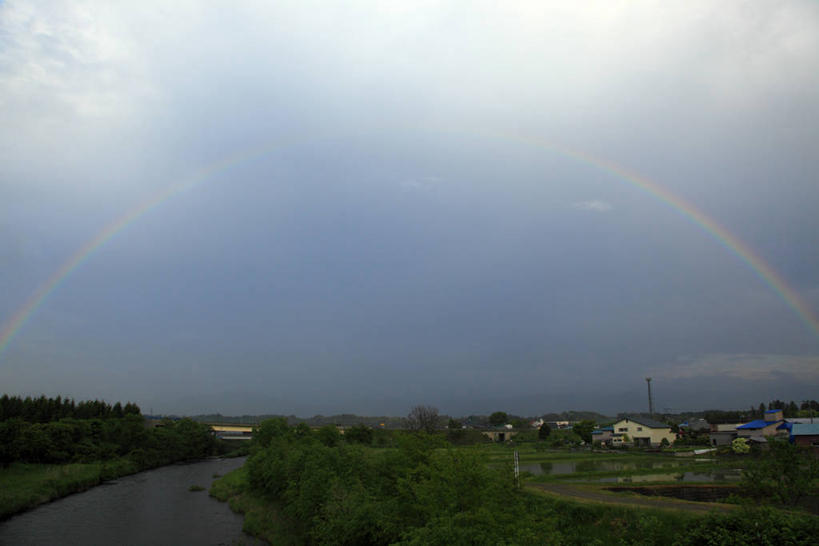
x=752, y=526
x=417, y=492
x=783, y=474
x=56, y=430
x=73, y=440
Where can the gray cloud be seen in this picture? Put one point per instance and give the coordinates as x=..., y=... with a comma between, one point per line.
x=398, y=244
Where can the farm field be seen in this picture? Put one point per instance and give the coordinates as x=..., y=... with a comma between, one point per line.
x=613, y=466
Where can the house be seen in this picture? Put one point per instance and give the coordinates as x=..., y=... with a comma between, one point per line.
x=723, y=435
x=603, y=435
x=499, y=434
x=643, y=432
x=762, y=428
x=696, y=425
x=805, y=434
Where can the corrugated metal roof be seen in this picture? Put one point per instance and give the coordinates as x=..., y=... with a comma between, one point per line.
x=805, y=429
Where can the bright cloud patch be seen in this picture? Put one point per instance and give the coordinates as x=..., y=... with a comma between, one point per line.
x=752, y=367
x=420, y=183
x=595, y=206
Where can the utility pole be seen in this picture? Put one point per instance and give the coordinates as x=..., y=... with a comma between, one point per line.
x=650, y=401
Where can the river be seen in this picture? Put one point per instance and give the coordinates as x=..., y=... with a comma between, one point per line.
x=150, y=508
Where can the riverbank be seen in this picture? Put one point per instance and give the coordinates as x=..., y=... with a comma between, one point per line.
x=155, y=506
x=261, y=516
x=26, y=485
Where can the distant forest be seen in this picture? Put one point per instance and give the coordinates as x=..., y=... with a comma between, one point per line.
x=60, y=430
x=45, y=410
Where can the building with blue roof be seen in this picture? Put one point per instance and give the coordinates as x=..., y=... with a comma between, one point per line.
x=805, y=434
x=759, y=429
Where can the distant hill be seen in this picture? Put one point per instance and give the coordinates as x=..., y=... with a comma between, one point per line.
x=344, y=420
x=577, y=416
x=389, y=422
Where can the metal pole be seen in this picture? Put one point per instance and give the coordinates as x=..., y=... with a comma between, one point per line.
x=650, y=401
x=517, y=469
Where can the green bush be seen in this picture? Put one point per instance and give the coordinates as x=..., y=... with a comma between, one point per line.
x=752, y=526
x=783, y=474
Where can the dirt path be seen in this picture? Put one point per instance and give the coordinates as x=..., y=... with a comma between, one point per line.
x=583, y=493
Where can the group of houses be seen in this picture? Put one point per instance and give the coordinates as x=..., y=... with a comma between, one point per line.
x=800, y=431
x=643, y=432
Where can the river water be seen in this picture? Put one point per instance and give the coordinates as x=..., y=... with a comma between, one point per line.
x=149, y=508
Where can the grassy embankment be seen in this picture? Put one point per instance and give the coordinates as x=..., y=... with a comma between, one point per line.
x=262, y=517
x=24, y=486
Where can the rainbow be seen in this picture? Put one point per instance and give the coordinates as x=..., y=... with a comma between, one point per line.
x=731, y=242
x=734, y=244
x=12, y=326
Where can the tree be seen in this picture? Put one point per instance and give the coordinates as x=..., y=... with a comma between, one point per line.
x=264, y=433
x=498, y=418
x=544, y=431
x=360, y=434
x=423, y=418
x=329, y=435
x=520, y=423
x=785, y=473
x=740, y=446
x=584, y=429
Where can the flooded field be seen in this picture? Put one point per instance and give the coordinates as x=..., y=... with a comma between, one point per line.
x=574, y=467
x=690, y=477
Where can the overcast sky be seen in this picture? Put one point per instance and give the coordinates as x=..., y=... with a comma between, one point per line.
x=406, y=231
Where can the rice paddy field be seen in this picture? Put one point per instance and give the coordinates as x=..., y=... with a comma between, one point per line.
x=607, y=467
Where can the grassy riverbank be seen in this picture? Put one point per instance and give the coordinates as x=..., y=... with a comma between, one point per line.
x=262, y=518
x=26, y=485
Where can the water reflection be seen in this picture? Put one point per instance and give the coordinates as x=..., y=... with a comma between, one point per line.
x=153, y=507
x=697, y=477
x=572, y=467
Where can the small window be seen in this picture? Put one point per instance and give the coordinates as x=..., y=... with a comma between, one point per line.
x=624, y=429
x=639, y=428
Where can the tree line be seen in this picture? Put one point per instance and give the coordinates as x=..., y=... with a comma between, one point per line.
x=789, y=410
x=45, y=410
x=58, y=430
